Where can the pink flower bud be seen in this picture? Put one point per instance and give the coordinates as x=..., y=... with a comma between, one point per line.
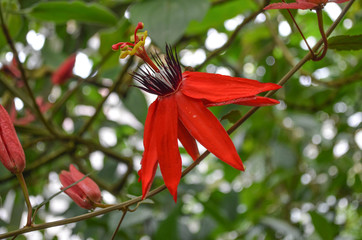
x=29, y=117
x=65, y=71
x=11, y=152
x=86, y=193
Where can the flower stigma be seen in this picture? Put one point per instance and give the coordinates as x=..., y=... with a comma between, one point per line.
x=136, y=46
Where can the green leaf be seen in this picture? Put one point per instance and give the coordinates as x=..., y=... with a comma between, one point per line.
x=168, y=227
x=217, y=15
x=167, y=20
x=62, y=11
x=345, y=42
x=233, y=116
x=281, y=226
x=13, y=21
x=141, y=215
x=136, y=103
x=110, y=36
x=283, y=156
x=325, y=229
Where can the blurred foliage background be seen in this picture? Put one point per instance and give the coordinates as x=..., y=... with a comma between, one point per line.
x=302, y=157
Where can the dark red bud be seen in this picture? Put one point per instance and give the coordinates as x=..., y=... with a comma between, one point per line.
x=11, y=152
x=65, y=71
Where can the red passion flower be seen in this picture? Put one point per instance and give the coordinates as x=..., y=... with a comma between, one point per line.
x=180, y=112
x=302, y=4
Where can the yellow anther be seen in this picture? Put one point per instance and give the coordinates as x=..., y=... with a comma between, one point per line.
x=136, y=48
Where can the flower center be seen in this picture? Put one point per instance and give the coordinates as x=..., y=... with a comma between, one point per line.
x=163, y=80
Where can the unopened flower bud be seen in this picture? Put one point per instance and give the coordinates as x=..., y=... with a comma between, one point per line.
x=65, y=71
x=86, y=193
x=11, y=152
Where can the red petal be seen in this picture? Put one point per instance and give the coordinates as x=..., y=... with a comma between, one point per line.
x=149, y=160
x=206, y=129
x=298, y=5
x=167, y=148
x=188, y=141
x=339, y=1
x=66, y=179
x=216, y=88
x=88, y=186
x=254, y=101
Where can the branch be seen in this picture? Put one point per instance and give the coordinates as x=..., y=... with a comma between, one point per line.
x=60, y=102
x=340, y=82
x=23, y=75
x=113, y=88
x=95, y=146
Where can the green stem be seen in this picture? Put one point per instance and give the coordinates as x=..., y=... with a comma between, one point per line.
x=301, y=33
x=119, y=224
x=323, y=34
x=26, y=196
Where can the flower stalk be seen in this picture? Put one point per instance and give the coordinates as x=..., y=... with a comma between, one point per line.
x=316, y=5
x=23, y=186
x=323, y=34
x=301, y=33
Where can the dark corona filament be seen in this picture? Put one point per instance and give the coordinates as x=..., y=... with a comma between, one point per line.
x=162, y=82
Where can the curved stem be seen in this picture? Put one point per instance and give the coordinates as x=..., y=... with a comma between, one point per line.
x=323, y=34
x=301, y=33
x=26, y=196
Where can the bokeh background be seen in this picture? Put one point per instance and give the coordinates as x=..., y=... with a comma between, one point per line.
x=302, y=157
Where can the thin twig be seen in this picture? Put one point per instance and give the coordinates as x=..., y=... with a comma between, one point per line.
x=36, y=209
x=119, y=224
x=300, y=31
x=17, y=93
x=60, y=102
x=114, y=87
x=95, y=146
x=233, y=36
